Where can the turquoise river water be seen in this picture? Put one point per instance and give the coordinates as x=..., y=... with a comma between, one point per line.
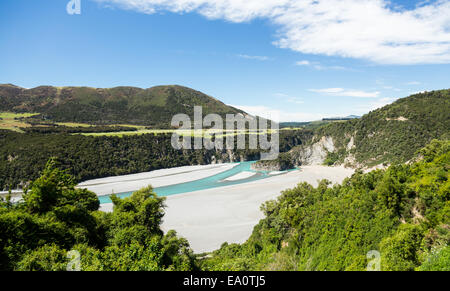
x=202, y=184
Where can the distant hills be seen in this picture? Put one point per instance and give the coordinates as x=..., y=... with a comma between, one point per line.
x=316, y=123
x=151, y=107
x=341, y=118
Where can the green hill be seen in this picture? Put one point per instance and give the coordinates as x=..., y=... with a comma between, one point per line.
x=402, y=213
x=152, y=107
x=391, y=134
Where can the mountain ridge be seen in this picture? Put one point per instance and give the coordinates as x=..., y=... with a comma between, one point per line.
x=152, y=106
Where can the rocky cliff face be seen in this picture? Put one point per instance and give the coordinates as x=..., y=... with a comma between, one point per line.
x=269, y=166
x=315, y=153
x=282, y=163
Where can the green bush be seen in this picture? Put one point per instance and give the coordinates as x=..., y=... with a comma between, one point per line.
x=402, y=212
x=56, y=218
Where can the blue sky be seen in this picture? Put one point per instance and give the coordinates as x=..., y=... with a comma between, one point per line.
x=277, y=57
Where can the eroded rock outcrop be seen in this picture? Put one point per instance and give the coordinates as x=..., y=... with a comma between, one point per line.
x=315, y=153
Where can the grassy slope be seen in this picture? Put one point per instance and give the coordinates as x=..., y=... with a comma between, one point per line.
x=154, y=106
x=14, y=121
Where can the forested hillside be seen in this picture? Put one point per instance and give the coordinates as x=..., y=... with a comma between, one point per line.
x=391, y=134
x=152, y=107
x=24, y=155
x=402, y=212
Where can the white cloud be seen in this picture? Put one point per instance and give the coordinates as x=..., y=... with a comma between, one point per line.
x=363, y=29
x=320, y=67
x=346, y=93
x=340, y=68
x=413, y=83
x=279, y=115
x=303, y=63
x=258, y=58
x=328, y=90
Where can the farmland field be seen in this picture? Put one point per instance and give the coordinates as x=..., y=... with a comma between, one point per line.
x=14, y=121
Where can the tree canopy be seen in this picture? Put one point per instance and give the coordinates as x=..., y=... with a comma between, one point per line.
x=56, y=218
x=402, y=212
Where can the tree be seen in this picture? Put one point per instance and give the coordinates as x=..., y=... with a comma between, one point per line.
x=56, y=218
